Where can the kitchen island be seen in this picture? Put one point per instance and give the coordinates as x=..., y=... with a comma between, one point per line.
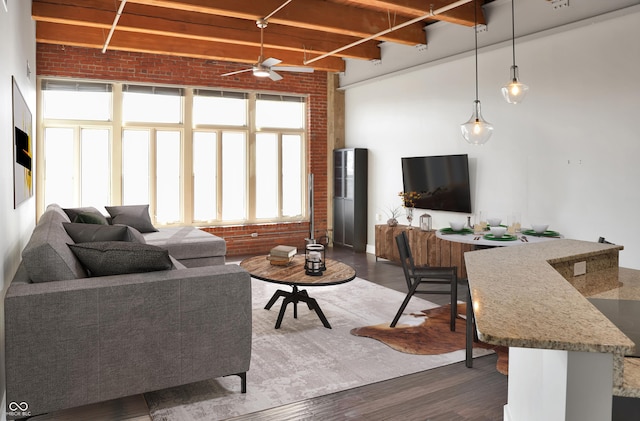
x=565, y=356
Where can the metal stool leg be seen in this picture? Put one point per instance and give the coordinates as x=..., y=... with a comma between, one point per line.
x=469, y=332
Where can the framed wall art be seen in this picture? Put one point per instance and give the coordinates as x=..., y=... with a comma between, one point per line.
x=22, y=148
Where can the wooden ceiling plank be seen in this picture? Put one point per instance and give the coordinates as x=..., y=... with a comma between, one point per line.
x=461, y=15
x=54, y=33
x=317, y=15
x=145, y=19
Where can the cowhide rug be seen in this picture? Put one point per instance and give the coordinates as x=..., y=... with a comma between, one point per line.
x=431, y=337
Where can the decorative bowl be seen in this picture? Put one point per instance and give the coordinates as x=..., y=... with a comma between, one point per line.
x=494, y=222
x=498, y=232
x=456, y=226
x=539, y=228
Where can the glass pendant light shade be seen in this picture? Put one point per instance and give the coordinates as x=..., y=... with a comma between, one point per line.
x=476, y=131
x=514, y=91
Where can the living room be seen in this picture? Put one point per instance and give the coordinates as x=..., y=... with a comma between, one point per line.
x=565, y=156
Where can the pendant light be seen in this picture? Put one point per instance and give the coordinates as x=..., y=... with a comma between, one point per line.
x=514, y=91
x=476, y=131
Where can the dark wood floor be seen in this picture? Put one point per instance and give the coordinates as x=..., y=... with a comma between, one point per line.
x=453, y=392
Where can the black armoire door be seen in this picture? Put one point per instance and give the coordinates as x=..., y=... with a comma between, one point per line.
x=350, y=198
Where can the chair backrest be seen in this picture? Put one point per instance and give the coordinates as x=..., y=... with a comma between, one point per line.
x=406, y=258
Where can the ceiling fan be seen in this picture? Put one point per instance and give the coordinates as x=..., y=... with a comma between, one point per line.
x=264, y=68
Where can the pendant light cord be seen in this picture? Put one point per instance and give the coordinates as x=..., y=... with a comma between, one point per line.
x=513, y=31
x=475, y=28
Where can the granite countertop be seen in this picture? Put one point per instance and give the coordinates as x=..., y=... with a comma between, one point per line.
x=521, y=300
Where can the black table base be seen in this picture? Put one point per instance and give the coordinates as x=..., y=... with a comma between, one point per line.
x=295, y=297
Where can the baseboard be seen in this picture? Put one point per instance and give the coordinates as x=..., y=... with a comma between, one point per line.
x=371, y=249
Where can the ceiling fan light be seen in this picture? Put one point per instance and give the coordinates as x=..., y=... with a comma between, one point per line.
x=514, y=92
x=259, y=71
x=476, y=130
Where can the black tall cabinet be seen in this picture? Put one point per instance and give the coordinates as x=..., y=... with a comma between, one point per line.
x=350, y=198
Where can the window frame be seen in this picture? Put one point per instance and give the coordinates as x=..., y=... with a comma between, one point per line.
x=187, y=129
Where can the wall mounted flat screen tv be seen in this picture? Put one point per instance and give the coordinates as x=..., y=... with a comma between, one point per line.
x=442, y=181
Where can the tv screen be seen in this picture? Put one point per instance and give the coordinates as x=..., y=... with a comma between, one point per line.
x=441, y=181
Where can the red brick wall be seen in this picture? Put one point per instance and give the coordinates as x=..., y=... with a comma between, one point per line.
x=77, y=62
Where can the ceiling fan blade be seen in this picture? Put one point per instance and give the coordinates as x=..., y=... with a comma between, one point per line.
x=235, y=73
x=298, y=69
x=274, y=76
x=271, y=62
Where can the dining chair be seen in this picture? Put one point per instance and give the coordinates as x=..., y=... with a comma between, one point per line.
x=417, y=276
x=471, y=334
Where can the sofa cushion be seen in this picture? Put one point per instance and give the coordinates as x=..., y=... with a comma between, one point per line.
x=187, y=242
x=105, y=258
x=46, y=256
x=136, y=216
x=84, y=233
x=87, y=215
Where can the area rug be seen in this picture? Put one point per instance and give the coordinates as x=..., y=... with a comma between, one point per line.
x=432, y=336
x=303, y=359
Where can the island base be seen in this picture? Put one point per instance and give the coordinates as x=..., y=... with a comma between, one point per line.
x=546, y=384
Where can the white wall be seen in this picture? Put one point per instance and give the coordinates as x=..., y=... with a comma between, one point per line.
x=567, y=156
x=17, y=46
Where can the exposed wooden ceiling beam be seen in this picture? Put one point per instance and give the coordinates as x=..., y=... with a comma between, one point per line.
x=462, y=15
x=191, y=25
x=92, y=37
x=299, y=32
x=316, y=15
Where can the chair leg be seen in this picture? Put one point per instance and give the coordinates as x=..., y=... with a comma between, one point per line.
x=405, y=302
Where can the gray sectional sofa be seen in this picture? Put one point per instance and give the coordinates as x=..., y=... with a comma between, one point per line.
x=74, y=339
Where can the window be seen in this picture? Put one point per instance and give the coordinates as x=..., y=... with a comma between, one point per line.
x=219, y=108
x=280, y=111
x=234, y=179
x=135, y=167
x=151, y=104
x=205, y=176
x=66, y=100
x=196, y=156
x=168, y=161
x=76, y=166
x=94, y=167
x=279, y=175
x=59, y=165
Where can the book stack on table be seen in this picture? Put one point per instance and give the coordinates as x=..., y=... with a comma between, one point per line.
x=282, y=255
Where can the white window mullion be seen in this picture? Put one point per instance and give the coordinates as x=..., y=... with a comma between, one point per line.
x=117, y=171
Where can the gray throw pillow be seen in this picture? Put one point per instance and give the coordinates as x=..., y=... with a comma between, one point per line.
x=136, y=216
x=84, y=233
x=91, y=218
x=106, y=258
x=89, y=212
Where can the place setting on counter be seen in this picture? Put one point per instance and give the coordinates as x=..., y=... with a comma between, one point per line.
x=491, y=231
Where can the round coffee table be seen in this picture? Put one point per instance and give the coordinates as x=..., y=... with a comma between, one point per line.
x=294, y=275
